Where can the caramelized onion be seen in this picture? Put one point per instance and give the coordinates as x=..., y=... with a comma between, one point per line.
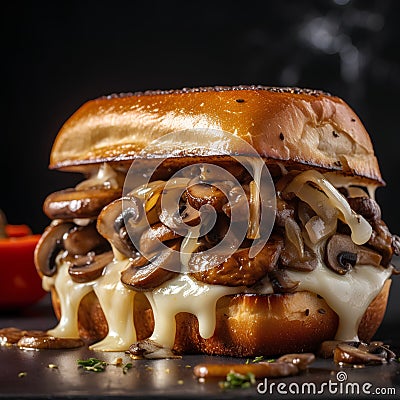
x=319, y=229
x=324, y=223
x=360, y=228
x=305, y=212
x=293, y=234
x=253, y=231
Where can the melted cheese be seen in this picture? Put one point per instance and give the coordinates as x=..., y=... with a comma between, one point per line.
x=188, y=246
x=184, y=294
x=104, y=176
x=116, y=302
x=348, y=295
x=256, y=164
x=345, y=181
x=70, y=295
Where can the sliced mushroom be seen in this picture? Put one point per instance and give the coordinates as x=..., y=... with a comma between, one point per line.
x=382, y=240
x=295, y=255
x=281, y=283
x=382, y=350
x=71, y=203
x=89, y=267
x=190, y=216
x=112, y=221
x=82, y=239
x=49, y=342
x=9, y=336
x=201, y=194
x=342, y=254
x=301, y=360
x=185, y=217
x=238, y=205
x=327, y=348
x=239, y=269
x=152, y=238
x=356, y=352
x=49, y=246
x=290, y=259
x=143, y=274
x=151, y=350
x=259, y=370
x=284, y=210
x=132, y=212
x=365, y=206
x=347, y=354
x=218, y=231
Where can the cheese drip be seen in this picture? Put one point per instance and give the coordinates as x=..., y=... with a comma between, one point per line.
x=360, y=229
x=189, y=245
x=347, y=182
x=105, y=176
x=349, y=295
x=184, y=294
x=115, y=300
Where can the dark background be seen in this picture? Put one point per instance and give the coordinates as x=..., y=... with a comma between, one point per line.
x=58, y=55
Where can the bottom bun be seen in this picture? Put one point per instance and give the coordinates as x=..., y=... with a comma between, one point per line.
x=246, y=324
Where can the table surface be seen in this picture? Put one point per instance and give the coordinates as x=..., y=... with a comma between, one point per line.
x=165, y=379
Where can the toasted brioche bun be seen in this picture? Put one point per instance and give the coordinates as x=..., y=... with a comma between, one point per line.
x=246, y=325
x=291, y=125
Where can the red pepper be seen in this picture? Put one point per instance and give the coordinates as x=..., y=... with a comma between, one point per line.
x=20, y=284
x=18, y=230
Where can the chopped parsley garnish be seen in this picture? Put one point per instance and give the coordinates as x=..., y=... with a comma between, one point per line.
x=92, y=364
x=126, y=367
x=258, y=359
x=235, y=380
x=95, y=365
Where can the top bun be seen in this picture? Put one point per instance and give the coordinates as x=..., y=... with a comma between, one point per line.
x=291, y=125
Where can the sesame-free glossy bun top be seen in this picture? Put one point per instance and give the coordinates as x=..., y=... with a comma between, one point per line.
x=290, y=125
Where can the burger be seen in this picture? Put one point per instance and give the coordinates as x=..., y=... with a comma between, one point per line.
x=284, y=178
